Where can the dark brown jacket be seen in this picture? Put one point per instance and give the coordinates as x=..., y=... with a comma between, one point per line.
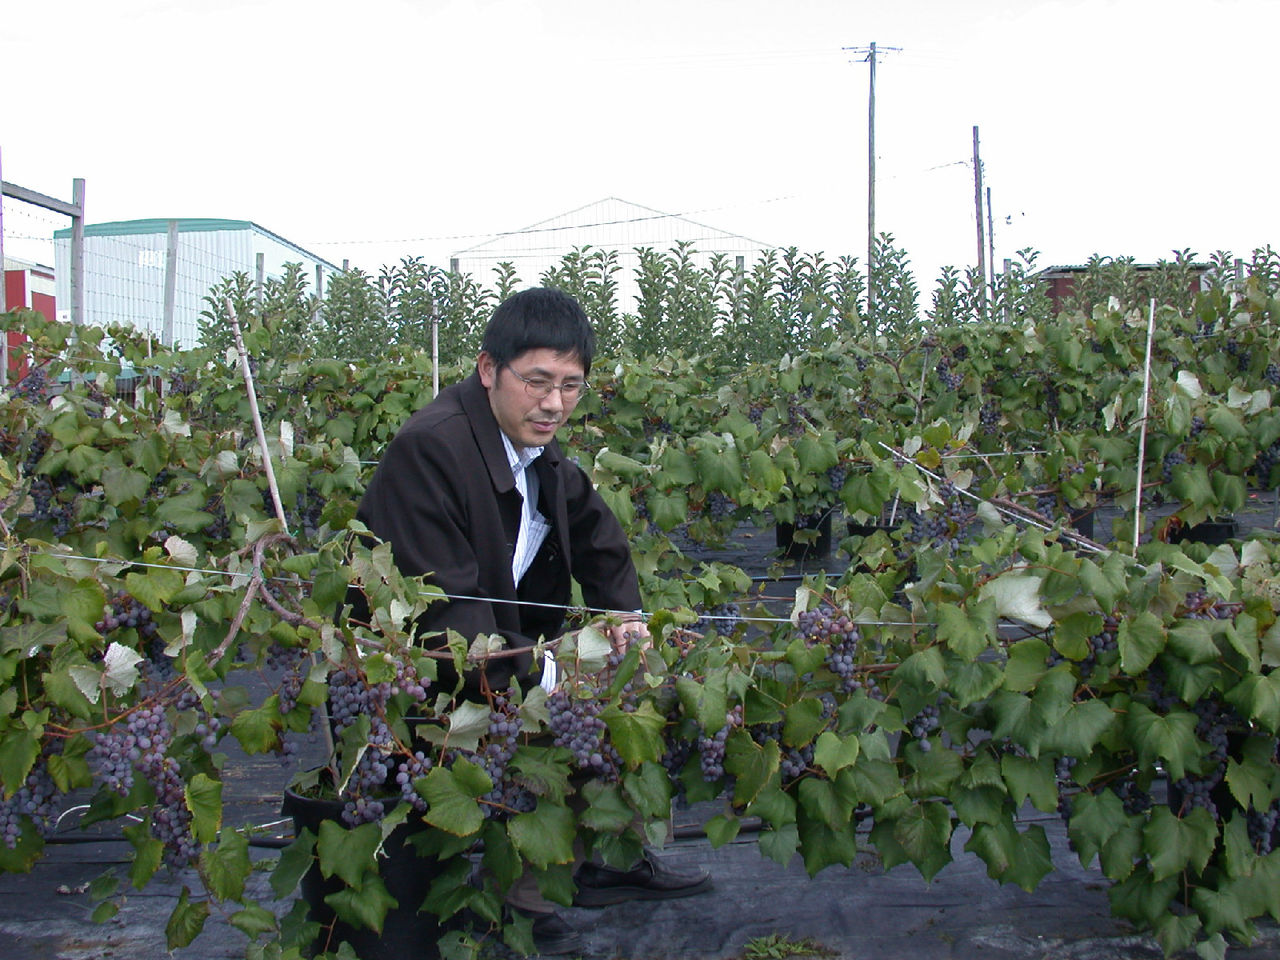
x=444, y=497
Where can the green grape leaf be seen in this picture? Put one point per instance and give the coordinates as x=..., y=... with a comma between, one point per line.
x=203, y=797
x=1258, y=698
x=1171, y=738
x=975, y=680
x=295, y=860
x=649, y=789
x=876, y=781
x=924, y=832
x=1021, y=858
x=967, y=632
x=780, y=843
x=1175, y=844
x=708, y=702
x=364, y=907
x=803, y=722
x=607, y=810
x=823, y=847
x=752, y=764
x=227, y=866
x=451, y=796
x=1031, y=778
x=348, y=854
x=1140, y=638
x=253, y=921
x=721, y=829
x=636, y=734
x=186, y=921
x=1078, y=729
x=833, y=753
x=820, y=800
x=544, y=836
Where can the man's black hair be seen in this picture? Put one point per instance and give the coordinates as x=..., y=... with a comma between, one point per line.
x=539, y=318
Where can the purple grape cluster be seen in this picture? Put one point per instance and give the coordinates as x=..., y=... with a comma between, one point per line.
x=1134, y=800
x=127, y=613
x=112, y=758
x=941, y=530
x=219, y=528
x=1198, y=605
x=720, y=506
x=675, y=756
x=34, y=387
x=149, y=734
x=950, y=379
x=1047, y=505
x=37, y=447
x=1172, y=459
x=48, y=506
x=837, y=475
x=925, y=723
x=412, y=768
x=501, y=740
x=793, y=762
x=1262, y=827
x=723, y=618
x=1101, y=644
x=292, y=662
x=826, y=626
x=575, y=724
x=1162, y=698
x=989, y=417
x=34, y=800
x=711, y=748
x=1195, y=791
x=350, y=697
x=1265, y=465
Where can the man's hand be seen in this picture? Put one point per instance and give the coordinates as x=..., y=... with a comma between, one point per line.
x=632, y=631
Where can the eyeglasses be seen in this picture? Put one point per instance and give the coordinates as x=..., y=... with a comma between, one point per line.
x=540, y=387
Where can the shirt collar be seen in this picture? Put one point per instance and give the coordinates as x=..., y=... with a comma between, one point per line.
x=519, y=459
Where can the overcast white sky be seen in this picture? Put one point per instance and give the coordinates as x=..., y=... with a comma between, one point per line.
x=389, y=128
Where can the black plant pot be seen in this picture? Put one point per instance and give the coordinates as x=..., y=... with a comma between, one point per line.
x=406, y=931
x=856, y=529
x=1212, y=532
x=818, y=548
x=1082, y=523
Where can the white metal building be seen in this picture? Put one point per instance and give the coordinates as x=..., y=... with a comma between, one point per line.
x=610, y=225
x=125, y=263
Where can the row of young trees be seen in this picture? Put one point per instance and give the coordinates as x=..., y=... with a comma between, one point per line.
x=784, y=303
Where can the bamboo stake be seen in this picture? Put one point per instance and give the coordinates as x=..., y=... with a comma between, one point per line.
x=1142, y=431
x=257, y=417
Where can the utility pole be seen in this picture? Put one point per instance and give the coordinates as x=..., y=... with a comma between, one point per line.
x=982, y=244
x=869, y=57
x=871, y=181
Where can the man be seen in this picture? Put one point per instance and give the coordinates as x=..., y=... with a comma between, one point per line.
x=474, y=492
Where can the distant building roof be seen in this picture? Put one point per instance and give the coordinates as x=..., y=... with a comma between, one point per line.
x=131, y=228
x=610, y=224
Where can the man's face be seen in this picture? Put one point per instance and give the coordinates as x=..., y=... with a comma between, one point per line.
x=525, y=419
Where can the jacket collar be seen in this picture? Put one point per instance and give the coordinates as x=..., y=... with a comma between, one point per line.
x=475, y=404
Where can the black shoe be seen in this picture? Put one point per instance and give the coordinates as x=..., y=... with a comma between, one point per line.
x=650, y=879
x=553, y=935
